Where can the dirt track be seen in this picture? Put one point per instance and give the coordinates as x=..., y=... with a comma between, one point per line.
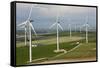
x=64, y=60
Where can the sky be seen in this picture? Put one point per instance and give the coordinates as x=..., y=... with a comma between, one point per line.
x=45, y=15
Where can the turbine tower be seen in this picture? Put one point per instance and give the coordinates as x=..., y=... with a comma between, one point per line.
x=86, y=29
x=70, y=32
x=80, y=29
x=75, y=27
x=87, y=32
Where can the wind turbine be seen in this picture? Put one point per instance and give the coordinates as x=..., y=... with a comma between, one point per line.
x=70, y=32
x=28, y=25
x=75, y=27
x=86, y=28
x=80, y=28
x=57, y=24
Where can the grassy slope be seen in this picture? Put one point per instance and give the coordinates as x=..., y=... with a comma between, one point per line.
x=40, y=52
x=84, y=51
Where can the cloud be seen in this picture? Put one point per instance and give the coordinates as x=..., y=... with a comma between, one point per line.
x=52, y=10
x=46, y=14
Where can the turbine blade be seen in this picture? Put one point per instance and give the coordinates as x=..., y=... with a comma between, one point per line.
x=33, y=29
x=53, y=25
x=30, y=12
x=22, y=26
x=60, y=26
x=22, y=23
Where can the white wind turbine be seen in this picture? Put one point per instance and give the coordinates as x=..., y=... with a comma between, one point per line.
x=28, y=25
x=57, y=24
x=75, y=27
x=86, y=28
x=70, y=31
x=80, y=28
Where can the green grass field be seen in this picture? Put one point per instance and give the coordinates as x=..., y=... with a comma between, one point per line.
x=47, y=45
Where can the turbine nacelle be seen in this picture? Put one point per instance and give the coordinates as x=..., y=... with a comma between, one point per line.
x=58, y=22
x=31, y=21
x=86, y=25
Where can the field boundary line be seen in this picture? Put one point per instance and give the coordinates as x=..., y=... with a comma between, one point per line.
x=66, y=52
x=38, y=59
x=73, y=48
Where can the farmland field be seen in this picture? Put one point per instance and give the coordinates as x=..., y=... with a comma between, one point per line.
x=46, y=44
